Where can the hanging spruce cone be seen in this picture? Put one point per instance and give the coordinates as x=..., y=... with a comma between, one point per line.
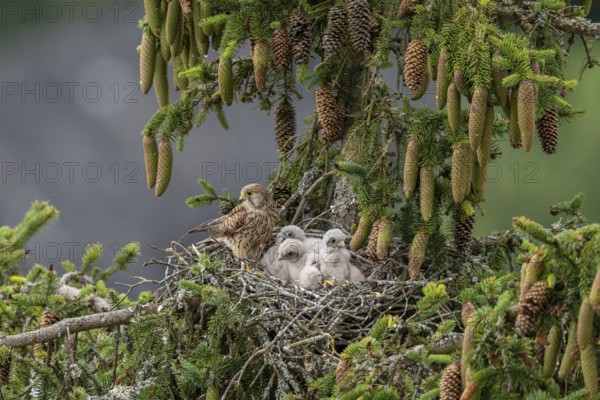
x=450, y=383
x=281, y=194
x=442, y=81
x=260, y=60
x=384, y=239
x=165, y=48
x=416, y=254
x=328, y=113
x=5, y=370
x=147, y=59
x=405, y=8
x=285, y=127
x=547, y=129
x=152, y=9
x=300, y=36
x=453, y=108
x=526, y=99
x=461, y=171
x=411, y=167
x=359, y=24
x=535, y=302
x=463, y=232
x=282, y=51
x=571, y=350
x=225, y=80
x=415, y=65
x=161, y=80
x=49, y=318
x=361, y=235
x=586, y=344
x=485, y=147
x=335, y=34
x=372, y=244
x=177, y=46
x=150, y=159
x=515, y=131
x=164, y=169
x=479, y=182
x=174, y=22
x=426, y=192
x=477, y=116
x=202, y=41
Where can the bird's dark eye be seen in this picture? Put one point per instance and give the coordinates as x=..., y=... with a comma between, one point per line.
x=249, y=193
x=332, y=240
x=290, y=234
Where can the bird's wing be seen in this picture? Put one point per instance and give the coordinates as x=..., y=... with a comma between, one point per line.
x=211, y=226
x=234, y=221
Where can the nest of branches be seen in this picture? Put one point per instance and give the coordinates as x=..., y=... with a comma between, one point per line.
x=299, y=335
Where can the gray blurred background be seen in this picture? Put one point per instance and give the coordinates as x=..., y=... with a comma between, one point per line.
x=71, y=112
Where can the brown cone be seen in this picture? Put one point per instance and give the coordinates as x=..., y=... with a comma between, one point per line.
x=328, y=113
x=147, y=60
x=300, y=36
x=547, y=129
x=281, y=194
x=285, y=127
x=282, y=51
x=48, y=318
x=450, y=383
x=415, y=65
x=372, y=244
x=5, y=370
x=150, y=159
x=535, y=302
x=453, y=108
x=463, y=232
x=359, y=24
x=404, y=10
x=335, y=34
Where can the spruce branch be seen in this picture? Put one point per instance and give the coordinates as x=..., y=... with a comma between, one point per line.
x=70, y=326
x=526, y=13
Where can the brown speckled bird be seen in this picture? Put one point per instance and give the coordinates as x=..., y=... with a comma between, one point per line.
x=246, y=229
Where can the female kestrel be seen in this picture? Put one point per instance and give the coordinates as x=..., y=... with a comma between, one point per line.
x=246, y=229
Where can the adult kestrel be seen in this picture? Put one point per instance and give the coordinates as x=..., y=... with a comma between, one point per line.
x=246, y=229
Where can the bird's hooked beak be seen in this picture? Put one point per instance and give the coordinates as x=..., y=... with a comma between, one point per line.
x=279, y=258
x=243, y=196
